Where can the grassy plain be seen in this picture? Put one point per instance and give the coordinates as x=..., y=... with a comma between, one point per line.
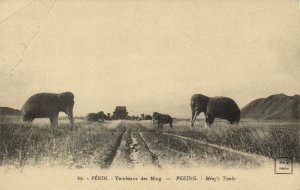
x=268, y=138
x=95, y=144
x=39, y=144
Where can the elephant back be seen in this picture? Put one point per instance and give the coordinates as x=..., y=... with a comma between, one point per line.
x=38, y=103
x=222, y=105
x=91, y=117
x=162, y=117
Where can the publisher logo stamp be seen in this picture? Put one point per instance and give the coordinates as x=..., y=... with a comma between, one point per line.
x=283, y=165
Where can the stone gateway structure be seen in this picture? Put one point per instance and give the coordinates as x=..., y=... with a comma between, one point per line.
x=120, y=113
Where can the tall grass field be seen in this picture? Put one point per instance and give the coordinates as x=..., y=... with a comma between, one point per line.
x=91, y=144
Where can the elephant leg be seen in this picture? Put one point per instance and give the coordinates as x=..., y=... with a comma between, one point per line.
x=209, y=120
x=206, y=121
x=234, y=123
x=158, y=126
x=171, y=126
x=28, y=121
x=54, y=121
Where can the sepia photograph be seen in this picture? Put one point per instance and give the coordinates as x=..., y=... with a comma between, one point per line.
x=148, y=94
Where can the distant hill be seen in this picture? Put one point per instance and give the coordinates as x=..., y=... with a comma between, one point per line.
x=278, y=106
x=9, y=111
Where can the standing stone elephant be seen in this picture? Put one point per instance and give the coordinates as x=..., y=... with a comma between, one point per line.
x=214, y=107
x=48, y=105
x=162, y=119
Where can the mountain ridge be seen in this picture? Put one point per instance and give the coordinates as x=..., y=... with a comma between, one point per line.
x=9, y=111
x=276, y=106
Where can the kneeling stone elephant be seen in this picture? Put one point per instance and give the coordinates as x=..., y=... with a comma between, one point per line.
x=48, y=105
x=215, y=107
x=100, y=116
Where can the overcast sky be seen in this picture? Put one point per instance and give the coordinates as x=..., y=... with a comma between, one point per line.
x=148, y=55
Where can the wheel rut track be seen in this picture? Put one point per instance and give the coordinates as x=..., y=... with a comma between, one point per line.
x=112, y=154
x=133, y=146
x=154, y=157
x=131, y=150
x=217, y=147
x=126, y=154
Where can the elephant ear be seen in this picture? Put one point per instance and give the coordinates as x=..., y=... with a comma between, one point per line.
x=66, y=99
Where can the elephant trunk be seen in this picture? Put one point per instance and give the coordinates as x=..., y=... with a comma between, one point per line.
x=70, y=116
x=194, y=115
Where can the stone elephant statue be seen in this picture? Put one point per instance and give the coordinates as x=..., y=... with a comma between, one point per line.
x=162, y=119
x=96, y=116
x=214, y=107
x=48, y=105
x=91, y=117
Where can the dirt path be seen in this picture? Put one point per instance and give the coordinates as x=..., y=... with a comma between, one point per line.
x=140, y=146
x=131, y=150
x=113, y=152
